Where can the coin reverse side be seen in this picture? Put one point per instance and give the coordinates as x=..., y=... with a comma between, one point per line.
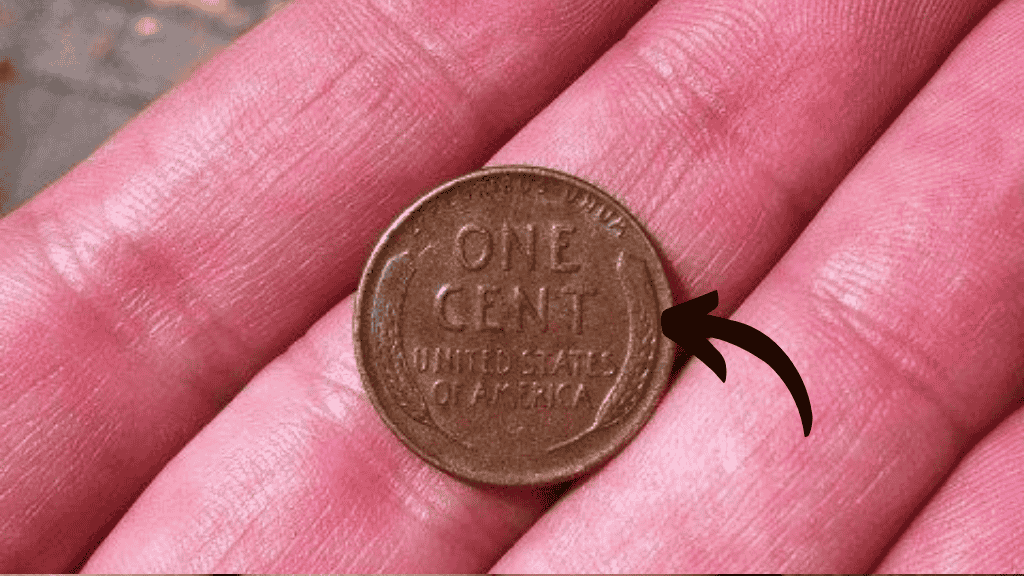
x=507, y=326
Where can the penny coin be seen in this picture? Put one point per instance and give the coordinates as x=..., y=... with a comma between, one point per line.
x=507, y=326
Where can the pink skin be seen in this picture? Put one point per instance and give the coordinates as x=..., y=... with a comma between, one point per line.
x=142, y=291
x=159, y=276
x=976, y=519
x=903, y=306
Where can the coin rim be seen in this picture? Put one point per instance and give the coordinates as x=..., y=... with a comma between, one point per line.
x=625, y=431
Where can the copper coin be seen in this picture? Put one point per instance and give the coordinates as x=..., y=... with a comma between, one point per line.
x=507, y=326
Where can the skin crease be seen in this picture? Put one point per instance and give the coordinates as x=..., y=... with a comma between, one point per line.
x=932, y=357
x=299, y=474
x=984, y=500
x=144, y=289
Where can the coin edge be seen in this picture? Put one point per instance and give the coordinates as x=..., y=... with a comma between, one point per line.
x=626, y=431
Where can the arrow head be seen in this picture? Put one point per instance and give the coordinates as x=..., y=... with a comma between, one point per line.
x=686, y=325
x=689, y=325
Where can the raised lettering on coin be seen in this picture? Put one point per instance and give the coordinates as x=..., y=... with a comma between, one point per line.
x=507, y=329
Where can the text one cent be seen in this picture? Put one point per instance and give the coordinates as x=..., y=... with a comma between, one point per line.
x=507, y=326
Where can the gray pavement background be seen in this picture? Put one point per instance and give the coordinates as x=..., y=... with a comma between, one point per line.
x=74, y=71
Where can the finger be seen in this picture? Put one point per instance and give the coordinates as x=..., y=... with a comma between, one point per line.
x=976, y=519
x=299, y=473
x=736, y=120
x=329, y=442
x=901, y=305
x=142, y=290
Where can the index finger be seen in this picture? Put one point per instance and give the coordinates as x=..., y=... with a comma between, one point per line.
x=142, y=290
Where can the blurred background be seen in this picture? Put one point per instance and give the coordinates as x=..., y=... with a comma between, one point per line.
x=74, y=71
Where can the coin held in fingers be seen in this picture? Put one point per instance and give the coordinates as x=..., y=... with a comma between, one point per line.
x=507, y=326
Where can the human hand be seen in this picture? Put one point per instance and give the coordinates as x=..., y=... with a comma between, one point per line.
x=142, y=291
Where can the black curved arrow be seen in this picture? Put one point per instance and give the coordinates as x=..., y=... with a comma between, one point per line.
x=689, y=325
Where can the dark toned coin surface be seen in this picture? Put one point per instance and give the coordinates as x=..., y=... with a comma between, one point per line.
x=507, y=326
